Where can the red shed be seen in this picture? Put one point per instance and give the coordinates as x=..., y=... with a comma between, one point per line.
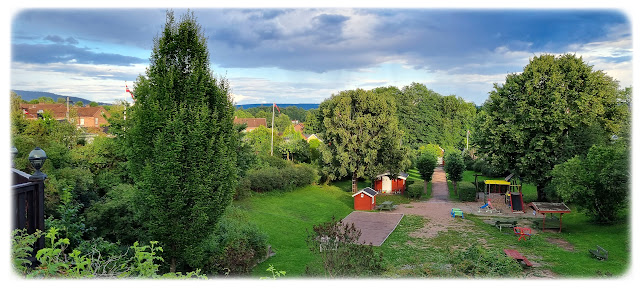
x=385, y=183
x=365, y=199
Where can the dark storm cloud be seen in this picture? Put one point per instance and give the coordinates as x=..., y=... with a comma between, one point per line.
x=60, y=53
x=59, y=40
x=323, y=40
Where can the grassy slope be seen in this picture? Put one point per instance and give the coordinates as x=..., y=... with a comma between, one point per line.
x=286, y=217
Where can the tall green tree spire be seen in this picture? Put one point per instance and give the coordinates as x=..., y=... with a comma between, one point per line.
x=182, y=143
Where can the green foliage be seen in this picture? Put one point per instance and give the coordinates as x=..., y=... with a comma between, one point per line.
x=21, y=248
x=113, y=215
x=428, y=117
x=415, y=190
x=241, y=113
x=426, y=164
x=454, y=167
x=467, y=191
x=339, y=251
x=312, y=122
x=70, y=223
x=182, y=143
x=285, y=179
x=358, y=145
x=479, y=262
x=540, y=117
x=260, y=140
x=275, y=274
x=282, y=122
x=236, y=246
x=243, y=190
x=597, y=183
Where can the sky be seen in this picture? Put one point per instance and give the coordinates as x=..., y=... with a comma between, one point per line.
x=304, y=55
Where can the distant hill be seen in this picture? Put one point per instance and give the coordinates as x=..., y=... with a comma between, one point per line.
x=307, y=106
x=31, y=95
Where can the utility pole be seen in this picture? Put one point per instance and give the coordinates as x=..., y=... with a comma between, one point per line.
x=273, y=113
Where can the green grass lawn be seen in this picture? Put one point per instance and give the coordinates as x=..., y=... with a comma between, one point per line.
x=286, y=217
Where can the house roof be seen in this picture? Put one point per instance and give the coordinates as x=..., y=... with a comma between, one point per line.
x=299, y=127
x=251, y=122
x=401, y=175
x=367, y=191
x=59, y=111
x=90, y=111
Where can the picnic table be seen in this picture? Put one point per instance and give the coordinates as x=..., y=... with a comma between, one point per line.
x=387, y=205
x=550, y=208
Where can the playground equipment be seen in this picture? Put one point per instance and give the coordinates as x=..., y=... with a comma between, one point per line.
x=488, y=208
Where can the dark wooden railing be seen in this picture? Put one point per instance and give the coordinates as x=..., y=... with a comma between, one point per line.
x=28, y=205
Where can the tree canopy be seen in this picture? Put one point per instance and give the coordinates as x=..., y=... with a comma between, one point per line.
x=362, y=136
x=538, y=118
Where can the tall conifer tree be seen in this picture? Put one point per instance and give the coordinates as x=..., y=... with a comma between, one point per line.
x=182, y=143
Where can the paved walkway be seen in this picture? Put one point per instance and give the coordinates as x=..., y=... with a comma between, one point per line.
x=375, y=227
x=439, y=188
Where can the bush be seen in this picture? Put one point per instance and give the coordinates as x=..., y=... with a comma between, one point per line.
x=467, y=191
x=237, y=245
x=271, y=161
x=243, y=190
x=415, y=190
x=476, y=261
x=287, y=178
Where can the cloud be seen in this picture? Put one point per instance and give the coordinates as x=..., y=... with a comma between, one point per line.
x=59, y=40
x=61, y=53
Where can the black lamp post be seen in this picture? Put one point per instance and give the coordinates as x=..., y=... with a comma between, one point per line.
x=37, y=158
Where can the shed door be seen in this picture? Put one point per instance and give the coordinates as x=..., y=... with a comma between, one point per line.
x=386, y=184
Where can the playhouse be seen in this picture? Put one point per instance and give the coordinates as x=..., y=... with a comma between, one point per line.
x=386, y=183
x=365, y=199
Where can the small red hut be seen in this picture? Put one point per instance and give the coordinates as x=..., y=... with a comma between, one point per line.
x=365, y=199
x=386, y=183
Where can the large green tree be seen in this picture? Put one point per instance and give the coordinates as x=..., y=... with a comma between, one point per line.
x=182, y=143
x=540, y=117
x=597, y=183
x=362, y=136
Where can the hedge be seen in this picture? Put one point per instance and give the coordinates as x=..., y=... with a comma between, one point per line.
x=287, y=178
x=466, y=191
x=415, y=190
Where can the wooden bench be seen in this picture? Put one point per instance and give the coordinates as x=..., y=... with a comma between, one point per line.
x=508, y=224
x=516, y=255
x=456, y=212
x=600, y=253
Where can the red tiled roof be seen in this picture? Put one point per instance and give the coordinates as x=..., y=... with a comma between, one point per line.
x=90, y=111
x=59, y=110
x=251, y=122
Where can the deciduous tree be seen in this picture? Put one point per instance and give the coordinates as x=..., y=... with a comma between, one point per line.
x=362, y=136
x=538, y=118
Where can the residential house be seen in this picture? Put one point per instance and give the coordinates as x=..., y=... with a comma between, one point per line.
x=252, y=123
x=387, y=183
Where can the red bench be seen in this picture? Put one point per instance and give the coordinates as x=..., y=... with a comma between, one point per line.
x=516, y=255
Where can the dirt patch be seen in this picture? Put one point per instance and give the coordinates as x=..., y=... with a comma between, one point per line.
x=561, y=243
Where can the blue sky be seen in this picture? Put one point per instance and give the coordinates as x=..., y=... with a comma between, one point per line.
x=305, y=55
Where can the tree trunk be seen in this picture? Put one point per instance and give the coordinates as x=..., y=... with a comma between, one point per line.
x=425, y=187
x=354, y=183
x=541, y=196
x=172, y=268
x=455, y=187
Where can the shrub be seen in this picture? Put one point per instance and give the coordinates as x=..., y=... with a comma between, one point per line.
x=340, y=255
x=271, y=161
x=237, y=245
x=287, y=178
x=243, y=189
x=467, y=191
x=415, y=190
x=265, y=179
x=476, y=261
